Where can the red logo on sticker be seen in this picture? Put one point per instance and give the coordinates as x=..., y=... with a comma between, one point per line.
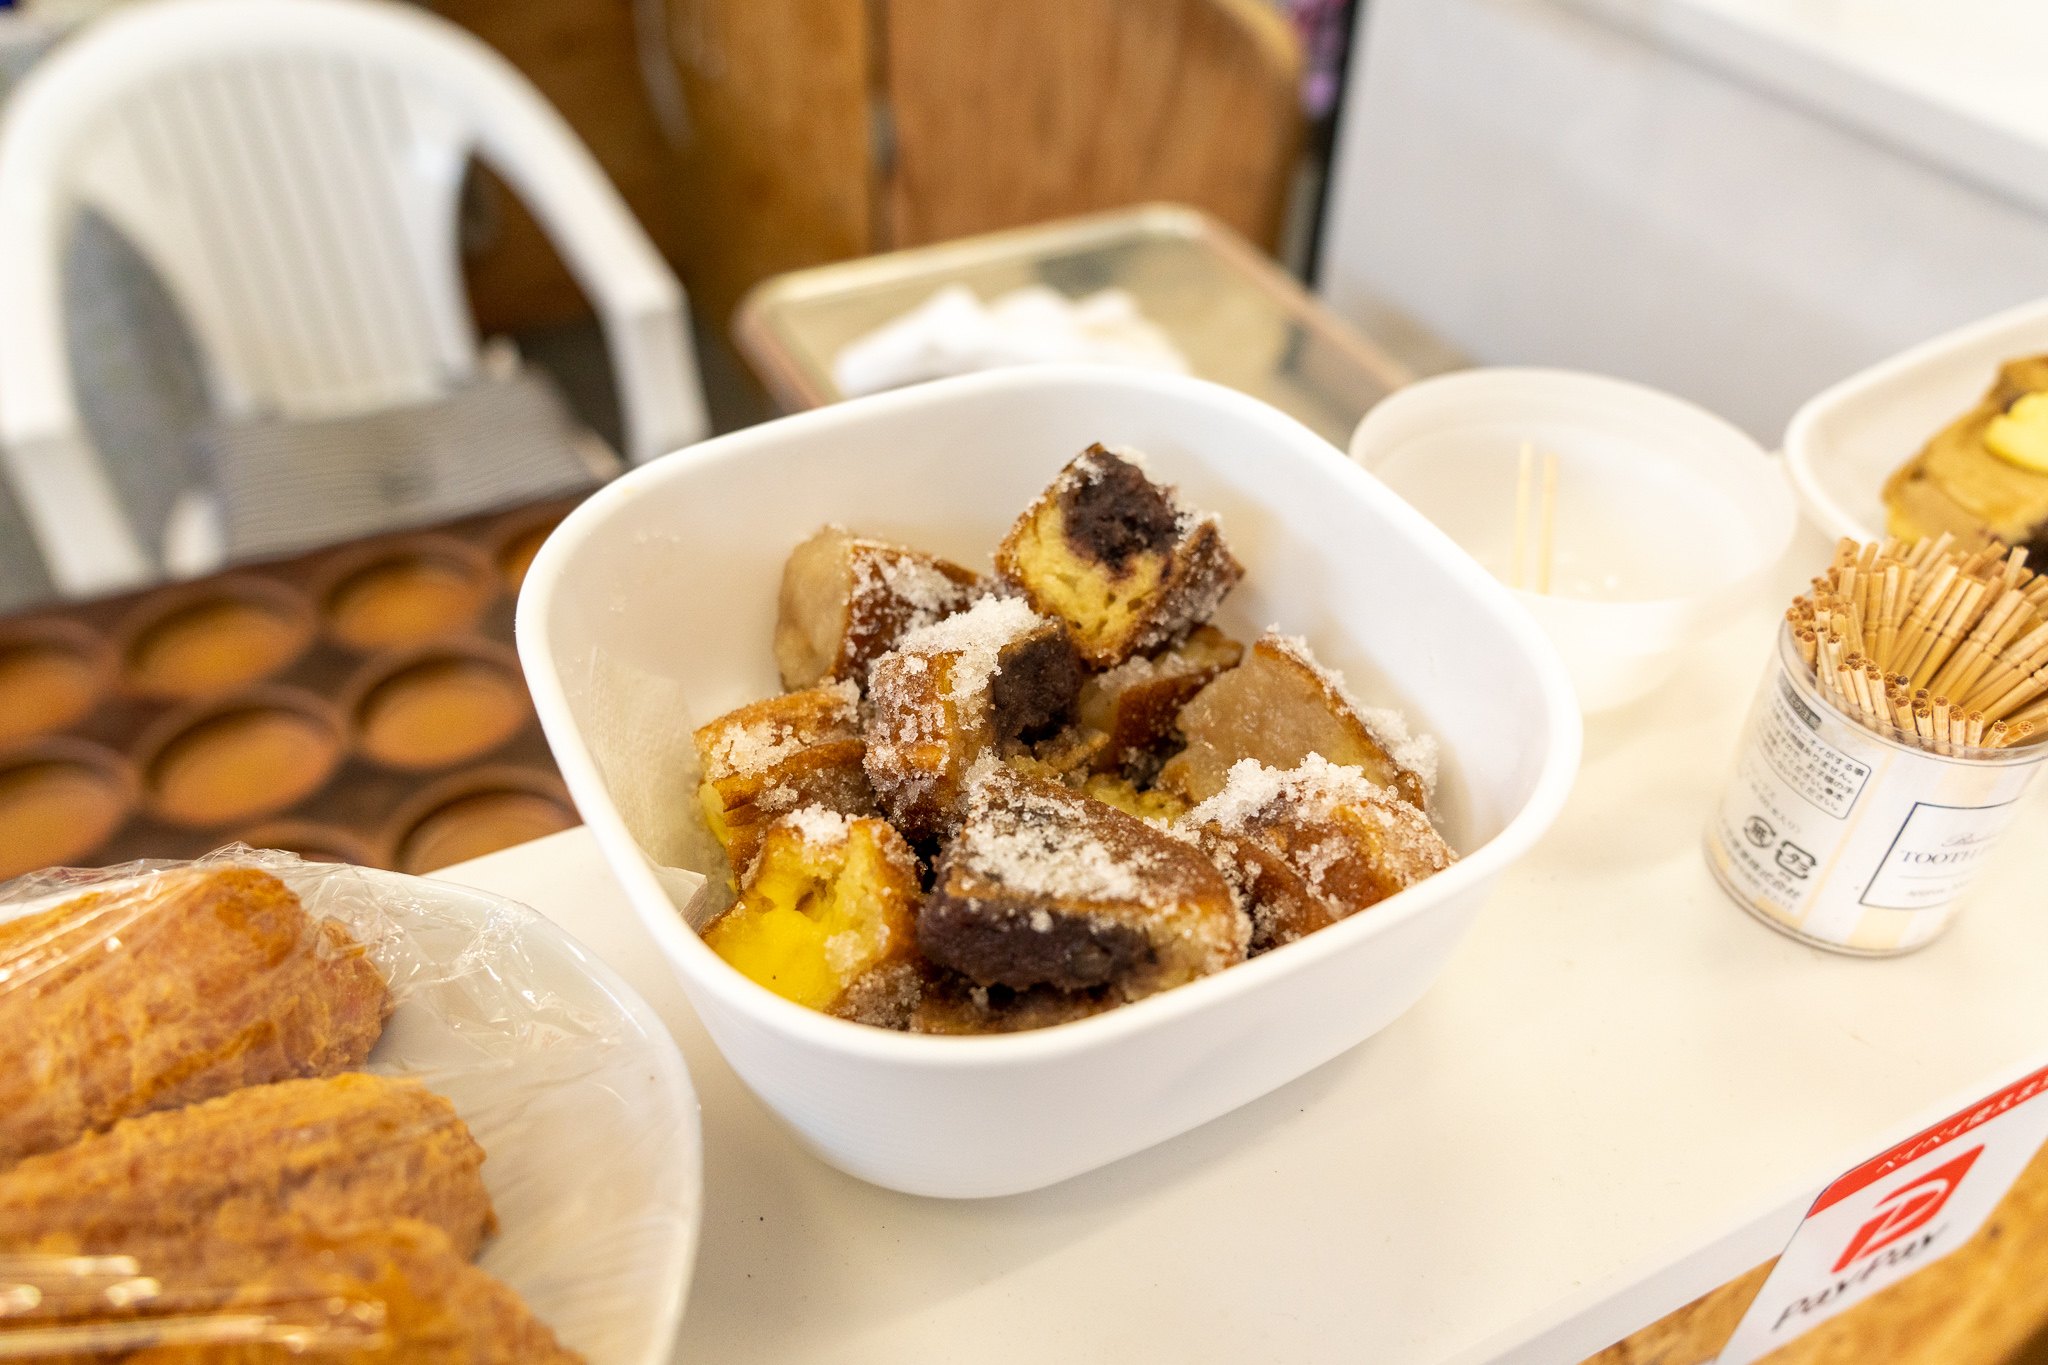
x=1908, y=1209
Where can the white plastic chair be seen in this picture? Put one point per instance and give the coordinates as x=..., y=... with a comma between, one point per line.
x=291, y=169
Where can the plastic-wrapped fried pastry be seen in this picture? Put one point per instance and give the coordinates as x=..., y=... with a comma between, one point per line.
x=1046, y=887
x=1115, y=555
x=332, y=1153
x=950, y=693
x=1279, y=706
x=171, y=988
x=771, y=757
x=392, y=1293
x=1306, y=848
x=847, y=599
x=828, y=902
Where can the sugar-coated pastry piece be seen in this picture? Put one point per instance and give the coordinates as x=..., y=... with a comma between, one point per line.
x=1137, y=703
x=829, y=901
x=770, y=757
x=1117, y=557
x=1045, y=887
x=1279, y=706
x=847, y=599
x=952, y=692
x=1307, y=847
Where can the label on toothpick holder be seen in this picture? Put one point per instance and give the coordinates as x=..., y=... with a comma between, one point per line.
x=1845, y=838
x=1895, y=1214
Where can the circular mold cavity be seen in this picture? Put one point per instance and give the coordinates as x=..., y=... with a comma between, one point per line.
x=200, y=641
x=52, y=674
x=478, y=812
x=403, y=593
x=313, y=841
x=59, y=800
x=239, y=759
x=517, y=538
x=437, y=706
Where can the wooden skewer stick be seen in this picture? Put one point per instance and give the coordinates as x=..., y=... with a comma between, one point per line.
x=1523, y=471
x=1549, y=522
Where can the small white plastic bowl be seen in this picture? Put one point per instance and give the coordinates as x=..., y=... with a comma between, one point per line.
x=651, y=608
x=1669, y=520
x=1847, y=440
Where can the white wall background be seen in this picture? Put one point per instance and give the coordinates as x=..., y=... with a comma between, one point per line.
x=1541, y=186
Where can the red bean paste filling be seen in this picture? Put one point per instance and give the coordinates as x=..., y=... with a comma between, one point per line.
x=1117, y=512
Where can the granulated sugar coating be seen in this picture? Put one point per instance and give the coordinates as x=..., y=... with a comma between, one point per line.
x=1389, y=727
x=932, y=716
x=1029, y=838
x=1312, y=790
x=1307, y=847
x=751, y=741
x=775, y=755
x=1043, y=887
x=846, y=599
x=1090, y=792
x=820, y=827
x=975, y=638
x=1118, y=557
x=1280, y=706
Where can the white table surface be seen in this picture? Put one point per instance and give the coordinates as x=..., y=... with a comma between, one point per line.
x=1622, y=1093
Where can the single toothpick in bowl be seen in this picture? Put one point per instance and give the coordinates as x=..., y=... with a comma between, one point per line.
x=1928, y=645
x=1546, y=518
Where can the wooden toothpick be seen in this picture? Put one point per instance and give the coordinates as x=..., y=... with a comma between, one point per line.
x=1521, y=515
x=1549, y=522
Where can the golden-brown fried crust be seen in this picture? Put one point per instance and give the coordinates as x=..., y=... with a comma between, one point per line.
x=768, y=758
x=169, y=990
x=1956, y=484
x=1279, y=706
x=1046, y=887
x=954, y=692
x=1137, y=704
x=846, y=600
x=1115, y=555
x=334, y=1153
x=951, y=1004
x=1306, y=848
x=399, y=1287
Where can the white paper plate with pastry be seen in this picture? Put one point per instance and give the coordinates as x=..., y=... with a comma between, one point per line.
x=277, y=1107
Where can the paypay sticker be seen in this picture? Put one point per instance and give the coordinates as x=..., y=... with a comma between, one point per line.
x=1895, y=1214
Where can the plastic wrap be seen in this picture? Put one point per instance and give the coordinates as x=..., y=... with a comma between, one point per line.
x=209, y=1227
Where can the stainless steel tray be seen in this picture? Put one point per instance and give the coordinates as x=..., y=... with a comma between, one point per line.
x=1237, y=317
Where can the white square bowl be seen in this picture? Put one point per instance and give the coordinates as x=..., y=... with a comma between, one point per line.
x=651, y=609
x=1846, y=441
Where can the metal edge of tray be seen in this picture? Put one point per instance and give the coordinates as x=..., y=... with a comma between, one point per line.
x=795, y=386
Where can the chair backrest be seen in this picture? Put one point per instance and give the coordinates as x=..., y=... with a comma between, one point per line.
x=291, y=168
x=1022, y=113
